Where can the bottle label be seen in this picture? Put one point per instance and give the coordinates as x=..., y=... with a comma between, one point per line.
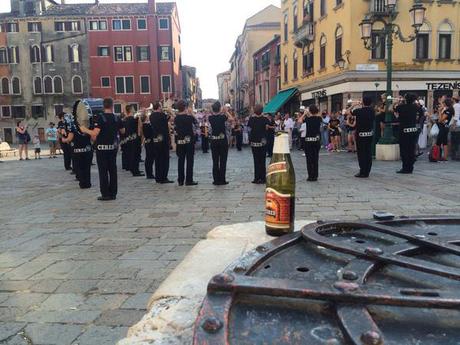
x=276, y=168
x=278, y=209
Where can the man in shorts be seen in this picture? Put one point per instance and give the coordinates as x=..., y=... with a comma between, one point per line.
x=51, y=137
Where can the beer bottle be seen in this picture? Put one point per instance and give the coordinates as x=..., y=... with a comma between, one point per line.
x=280, y=191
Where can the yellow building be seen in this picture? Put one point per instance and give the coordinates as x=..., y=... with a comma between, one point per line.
x=324, y=57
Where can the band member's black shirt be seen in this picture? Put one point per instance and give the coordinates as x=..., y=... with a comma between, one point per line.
x=258, y=125
x=109, y=124
x=364, y=119
x=407, y=115
x=184, y=126
x=271, y=123
x=147, y=130
x=449, y=112
x=159, y=122
x=62, y=128
x=81, y=141
x=131, y=125
x=313, y=124
x=217, y=123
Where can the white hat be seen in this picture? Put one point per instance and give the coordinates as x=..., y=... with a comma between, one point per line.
x=421, y=102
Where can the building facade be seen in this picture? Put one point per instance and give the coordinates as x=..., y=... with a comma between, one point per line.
x=190, y=86
x=224, y=85
x=267, y=81
x=258, y=30
x=54, y=53
x=317, y=34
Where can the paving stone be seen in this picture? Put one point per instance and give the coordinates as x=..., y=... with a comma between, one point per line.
x=101, y=335
x=120, y=317
x=67, y=301
x=138, y=301
x=52, y=334
x=62, y=316
x=24, y=300
x=103, y=302
x=46, y=286
x=8, y=329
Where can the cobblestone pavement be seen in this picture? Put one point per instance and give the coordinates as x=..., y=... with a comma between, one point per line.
x=77, y=271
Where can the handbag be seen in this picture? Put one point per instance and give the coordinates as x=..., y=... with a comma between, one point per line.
x=434, y=130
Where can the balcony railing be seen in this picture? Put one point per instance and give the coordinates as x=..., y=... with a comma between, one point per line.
x=304, y=35
x=378, y=8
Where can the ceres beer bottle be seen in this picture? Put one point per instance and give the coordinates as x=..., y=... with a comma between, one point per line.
x=280, y=192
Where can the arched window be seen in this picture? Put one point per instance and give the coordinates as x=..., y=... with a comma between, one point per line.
x=77, y=85
x=338, y=43
x=422, y=43
x=35, y=54
x=445, y=33
x=57, y=82
x=308, y=59
x=286, y=28
x=16, y=86
x=38, y=86
x=48, y=84
x=74, y=53
x=308, y=10
x=322, y=51
x=295, y=61
x=5, y=86
x=295, y=18
x=286, y=72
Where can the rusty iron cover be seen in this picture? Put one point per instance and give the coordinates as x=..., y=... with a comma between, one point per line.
x=369, y=283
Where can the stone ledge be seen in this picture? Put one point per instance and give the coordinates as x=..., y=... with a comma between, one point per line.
x=174, y=307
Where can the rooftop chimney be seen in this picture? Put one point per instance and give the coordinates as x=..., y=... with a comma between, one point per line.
x=152, y=8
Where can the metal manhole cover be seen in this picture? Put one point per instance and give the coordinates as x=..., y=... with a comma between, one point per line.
x=369, y=283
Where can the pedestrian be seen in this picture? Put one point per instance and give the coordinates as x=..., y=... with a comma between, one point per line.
x=219, y=143
x=334, y=133
x=446, y=114
x=37, y=146
x=325, y=129
x=238, y=128
x=258, y=139
x=289, y=128
x=270, y=135
x=63, y=132
x=159, y=121
x=133, y=141
x=351, y=133
x=313, y=121
x=303, y=133
x=147, y=138
x=23, y=140
x=51, y=137
x=184, y=123
x=204, y=128
x=365, y=117
x=105, y=133
x=124, y=146
x=455, y=130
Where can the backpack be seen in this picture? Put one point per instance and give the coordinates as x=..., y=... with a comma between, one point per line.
x=435, y=154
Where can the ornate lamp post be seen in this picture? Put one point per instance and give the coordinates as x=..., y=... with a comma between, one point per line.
x=386, y=16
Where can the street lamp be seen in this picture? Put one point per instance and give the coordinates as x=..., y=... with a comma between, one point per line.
x=390, y=32
x=341, y=62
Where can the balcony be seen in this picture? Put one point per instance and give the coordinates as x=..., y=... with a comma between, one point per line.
x=304, y=35
x=378, y=8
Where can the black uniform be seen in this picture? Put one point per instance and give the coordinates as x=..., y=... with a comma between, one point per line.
x=365, y=118
x=270, y=136
x=204, y=138
x=83, y=153
x=185, y=147
x=239, y=136
x=124, y=149
x=408, y=134
x=106, y=154
x=133, y=144
x=62, y=127
x=149, y=150
x=258, y=140
x=312, y=145
x=219, y=148
x=160, y=132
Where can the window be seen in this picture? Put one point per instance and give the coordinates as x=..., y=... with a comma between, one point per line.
x=163, y=23
x=322, y=52
x=142, y=24
x=5, y=86
x=295, y=65
x=166, y=84
x=48, y=83
x=143, y=53
x=308, y=60
x=117, y=108
x=18, y=111
x=37, y=111
x=165, y=53
x=422, y=46
x=285, y=69
x=77, y=85
x=445, y=32
x=286, y=28
x=48, y=53
x=121, y=24
x=6, y=111
x=67, y=26
x=74, y=53
x=256, y=64
x=11, y=27
x=13, y=55
x=37, y=85
x=35, y=54
x=105, y=81
x=145, y=84
x=3, y=55
x=295, y=19
x=378, y=40
x=16, y=86
x=57, y=83
x=97, y=25
x=308, y=9
x=266, y=60
x=58, y=109
x=103, y=51
x=338, y=44
x=124, y=85
x=34, y=27
x=123, y=53
x=323, y=8
x=338, y=2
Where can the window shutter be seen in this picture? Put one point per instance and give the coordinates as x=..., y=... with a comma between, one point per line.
x=10, y=54
x=79, y=52
x=43, y=53
x=17, y=54
x=170, y=53
x=31, y=53
x=159, y=53
x=148, y=53
x=138, y=53
x=69, y=48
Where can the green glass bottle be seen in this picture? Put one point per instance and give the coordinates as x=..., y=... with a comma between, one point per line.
x=280, y=191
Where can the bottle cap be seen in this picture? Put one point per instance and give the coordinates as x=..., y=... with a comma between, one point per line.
x=281, y=144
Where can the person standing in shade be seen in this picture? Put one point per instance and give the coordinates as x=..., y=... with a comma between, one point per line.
x=147, y=135
x=52, y=136
x=238, y=128
x=365, y=118
x=106, y=128
x=270, y=135
x=185, y=141
x=289, y=128
x=258, y=140
x=312, y=120
x=160, y=137
x=219, y=143
x=446, y=114
x=204, y=128
x=124, y=147
x=63, y=132
x=133, y=141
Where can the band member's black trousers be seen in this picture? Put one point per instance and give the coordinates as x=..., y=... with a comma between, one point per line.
x=84, y=160
x=260, y=170
x=204, y=144
x=407, y=144
x=185, y=152
x=149, y=159
x=107, y=166
x=161, y=157
x=312, y=155
x=364, y=148
x=135, y=149
x=270, y=143
x=124, y=157
x=67, y=151
x=219, y=149
x=239, y=141
x=74, y=158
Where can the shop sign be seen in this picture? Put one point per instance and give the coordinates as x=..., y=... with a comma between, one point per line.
x=367, y=67
x=319, y=94
x=443, y=86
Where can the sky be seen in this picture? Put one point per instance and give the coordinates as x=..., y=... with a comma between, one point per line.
x=209, y=32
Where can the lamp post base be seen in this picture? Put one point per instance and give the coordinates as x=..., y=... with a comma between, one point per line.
x=387, y=152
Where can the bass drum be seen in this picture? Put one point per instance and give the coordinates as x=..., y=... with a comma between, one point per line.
x=81, y=115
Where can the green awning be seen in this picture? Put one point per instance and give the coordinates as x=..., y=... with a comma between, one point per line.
x=279, y=100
